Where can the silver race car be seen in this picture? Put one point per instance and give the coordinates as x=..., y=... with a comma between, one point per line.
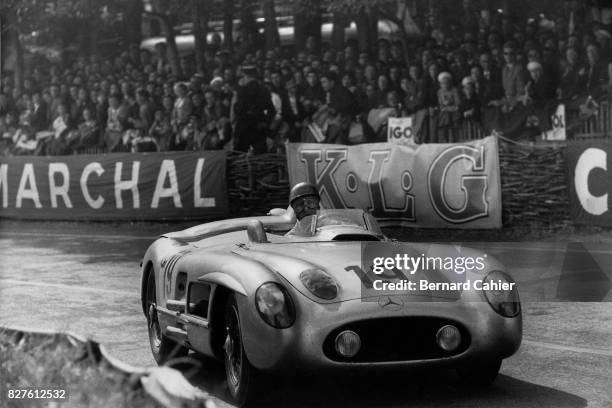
x=263, y=299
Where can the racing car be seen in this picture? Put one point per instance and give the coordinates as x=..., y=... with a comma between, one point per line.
x=267, y=297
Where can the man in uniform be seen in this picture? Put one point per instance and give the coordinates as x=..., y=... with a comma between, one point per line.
x=253, y=112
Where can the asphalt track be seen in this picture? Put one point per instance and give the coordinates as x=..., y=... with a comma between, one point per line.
x=84, y=278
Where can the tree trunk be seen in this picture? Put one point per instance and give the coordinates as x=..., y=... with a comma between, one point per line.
x=362, y=30
x=315, y=20
x=167, y=22
x=228, y=24
x=299, y=28
x=94, y=33
x=271, y=28
x=373, y=30
x=133, y=22
x=10, y=34
x=338, y=37
x=251, y=40
x=200, y=31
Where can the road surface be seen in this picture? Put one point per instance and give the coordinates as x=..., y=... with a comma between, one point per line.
x=84, y=278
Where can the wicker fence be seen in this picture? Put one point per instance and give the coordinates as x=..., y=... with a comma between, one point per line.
x=534, y=184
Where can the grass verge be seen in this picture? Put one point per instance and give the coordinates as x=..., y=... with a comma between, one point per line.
x=60, y=362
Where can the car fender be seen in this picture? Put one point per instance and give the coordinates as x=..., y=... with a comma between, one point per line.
x=160, y=250
x=225, y=280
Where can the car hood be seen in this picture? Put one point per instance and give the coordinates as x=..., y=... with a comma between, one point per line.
x=342, y=260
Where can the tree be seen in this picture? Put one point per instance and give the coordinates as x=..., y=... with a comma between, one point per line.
x=368, y=12
x=271, y=28
x=167, y=13
x=67, y=22
x=307, y=21
x=10, y=33
x=338, y=37
x=228, y=24
x=200, y=32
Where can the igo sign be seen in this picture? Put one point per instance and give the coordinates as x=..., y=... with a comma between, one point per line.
x=590, y=165
x=399, y=131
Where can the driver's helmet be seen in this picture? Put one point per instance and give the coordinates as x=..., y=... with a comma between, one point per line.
x=301, y=190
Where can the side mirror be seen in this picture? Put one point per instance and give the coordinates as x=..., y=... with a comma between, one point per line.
x=256, y=232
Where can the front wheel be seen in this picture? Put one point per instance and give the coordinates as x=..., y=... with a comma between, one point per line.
x=242, y=378
x=480, y=373
x=163, y=348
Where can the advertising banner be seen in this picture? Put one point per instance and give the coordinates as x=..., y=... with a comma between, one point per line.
x=428, y=185
x=399, y=131
x=557, y=120
x=590, y=163
x=119, y=186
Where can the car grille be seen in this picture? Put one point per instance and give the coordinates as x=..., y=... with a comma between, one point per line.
x=396, y=339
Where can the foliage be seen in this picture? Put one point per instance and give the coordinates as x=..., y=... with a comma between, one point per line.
x=55, y=362
x=355, y=6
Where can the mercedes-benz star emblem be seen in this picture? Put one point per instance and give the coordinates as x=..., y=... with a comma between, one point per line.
x=390, y=303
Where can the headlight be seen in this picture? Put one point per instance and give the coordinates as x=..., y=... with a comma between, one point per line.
x=319, y=283
x=504, y=301
x=274, y=305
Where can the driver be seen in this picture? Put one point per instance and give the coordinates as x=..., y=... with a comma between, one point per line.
x=304, y=199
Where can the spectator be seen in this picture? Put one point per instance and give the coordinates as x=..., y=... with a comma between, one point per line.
x=341, y=108
x=182, y=107
x=382, y=89
x=488, y=87
x=413, y=89
x=571, y=75
x=313, y=96
x=57, y=141
x=101, y=107
x=293, y=114
x=38, y=120
x=88, y=130
x=469, y=106
x=431, y=86
x=513, y=78
x=115, y=123
x=539, y=89
x=9, y=132
x=144, y=119
x=448, y=104
x=187, y=138
x=596, y=73
x=215, y=123
x=23, y=139
x=496, y=79
x=254, y=110
x=161, y=130
x=79, y=104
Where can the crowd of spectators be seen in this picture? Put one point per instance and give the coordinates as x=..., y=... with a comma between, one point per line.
x=486, y=66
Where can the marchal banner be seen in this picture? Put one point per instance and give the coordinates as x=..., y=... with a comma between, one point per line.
x=590, y=181
x=428, y=185
x=119, y=186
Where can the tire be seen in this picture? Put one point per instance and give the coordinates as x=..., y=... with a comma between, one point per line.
x=479, y=373
x=243, y=380
x=163, y=348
